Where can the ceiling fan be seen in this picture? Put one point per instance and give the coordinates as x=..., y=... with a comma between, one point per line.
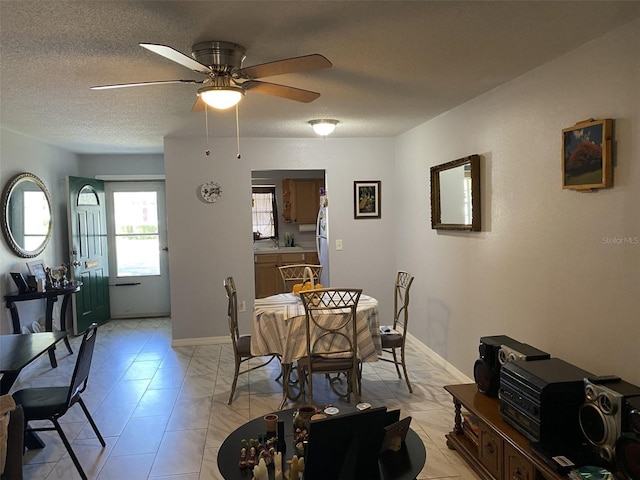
x=226, y=81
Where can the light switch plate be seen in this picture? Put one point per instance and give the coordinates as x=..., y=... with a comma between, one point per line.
x=339, y=244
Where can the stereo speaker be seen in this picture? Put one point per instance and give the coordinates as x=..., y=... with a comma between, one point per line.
x=628, y=445
x=610, y=421
x=495, y=351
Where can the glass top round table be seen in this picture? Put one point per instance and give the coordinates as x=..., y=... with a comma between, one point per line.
x=405, y=464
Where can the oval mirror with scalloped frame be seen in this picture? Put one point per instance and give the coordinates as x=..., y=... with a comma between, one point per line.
x=455, y=195
x=27, y=218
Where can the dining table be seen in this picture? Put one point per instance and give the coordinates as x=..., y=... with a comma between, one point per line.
x=19, y=350
x=16, y=352
x=279, y=327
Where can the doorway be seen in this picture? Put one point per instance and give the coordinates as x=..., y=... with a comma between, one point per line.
x=302, y=231
x=139, y=256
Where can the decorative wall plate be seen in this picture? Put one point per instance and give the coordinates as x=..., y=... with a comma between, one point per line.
x=210, y=192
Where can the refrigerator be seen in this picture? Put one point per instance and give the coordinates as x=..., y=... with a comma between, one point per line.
x=322, y=237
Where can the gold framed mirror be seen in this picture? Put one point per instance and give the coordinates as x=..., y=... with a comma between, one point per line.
x=27, y=218
x=455, y=195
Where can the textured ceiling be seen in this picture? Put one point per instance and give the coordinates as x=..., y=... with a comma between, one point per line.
x=396, y=64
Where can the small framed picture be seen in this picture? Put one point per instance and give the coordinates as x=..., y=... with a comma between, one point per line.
x=37, y=269
x=586, y=155
x=20, y=282
x=366, y=199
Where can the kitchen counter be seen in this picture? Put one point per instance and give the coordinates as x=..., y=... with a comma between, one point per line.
x=296, y=249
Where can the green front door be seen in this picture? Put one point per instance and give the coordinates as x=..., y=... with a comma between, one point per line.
x=88, y=254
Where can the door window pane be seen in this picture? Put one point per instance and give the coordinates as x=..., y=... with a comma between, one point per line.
x=136, y=232
x=88, y=196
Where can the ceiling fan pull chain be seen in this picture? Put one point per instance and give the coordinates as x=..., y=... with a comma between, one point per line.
x=206, y=126
x=237, y=132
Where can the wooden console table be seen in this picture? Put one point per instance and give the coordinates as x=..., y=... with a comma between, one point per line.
x=496, y=451
x=51, y=296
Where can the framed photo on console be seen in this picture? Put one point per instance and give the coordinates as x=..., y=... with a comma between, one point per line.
x=37, y=269
x=20, y=282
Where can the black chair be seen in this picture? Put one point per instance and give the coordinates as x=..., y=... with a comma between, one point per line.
x=332, y=338
x=397, y=337
x=51, y=403
x=241, y=343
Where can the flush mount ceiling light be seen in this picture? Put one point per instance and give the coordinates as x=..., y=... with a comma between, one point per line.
x=221, y=97
x=323, y=127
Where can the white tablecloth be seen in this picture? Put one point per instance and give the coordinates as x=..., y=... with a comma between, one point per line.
x=279, y=327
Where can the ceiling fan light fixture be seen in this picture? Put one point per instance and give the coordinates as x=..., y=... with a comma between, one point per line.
x=323, y=127
x=221, y=97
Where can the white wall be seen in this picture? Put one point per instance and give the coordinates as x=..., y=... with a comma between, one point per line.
x=19, y=154
x=210, y=241
x=121, y=164
x=541, y=270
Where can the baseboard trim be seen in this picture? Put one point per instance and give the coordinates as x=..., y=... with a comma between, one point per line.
x=143, y=316
x=194, y=342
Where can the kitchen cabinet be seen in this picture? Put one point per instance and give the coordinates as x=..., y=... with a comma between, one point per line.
x=267, y=276
x=311, y=258
x=301, y=199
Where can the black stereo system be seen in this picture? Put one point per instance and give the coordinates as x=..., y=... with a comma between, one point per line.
x=610, y=421
x=562, y=409
x=542, y=399
x=495, y=351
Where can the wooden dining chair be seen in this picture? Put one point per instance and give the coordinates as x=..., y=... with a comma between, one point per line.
x=397, y=336
x=241, y=343
x=331, y=337
x=51, y=403
x=292, y=274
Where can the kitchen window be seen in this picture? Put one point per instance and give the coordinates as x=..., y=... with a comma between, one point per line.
x=264, y=212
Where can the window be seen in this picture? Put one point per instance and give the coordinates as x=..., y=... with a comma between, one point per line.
x=264, y=212
x=136, y=232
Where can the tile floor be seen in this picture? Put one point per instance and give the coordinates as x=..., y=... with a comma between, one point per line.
x=163, y=411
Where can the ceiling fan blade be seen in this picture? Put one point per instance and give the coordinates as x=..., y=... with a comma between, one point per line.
x=176, y=56
x=284, y=91
x=289, y=65
x=143, y=84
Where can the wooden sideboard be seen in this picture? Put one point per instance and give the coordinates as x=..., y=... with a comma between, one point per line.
x=494, y=449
